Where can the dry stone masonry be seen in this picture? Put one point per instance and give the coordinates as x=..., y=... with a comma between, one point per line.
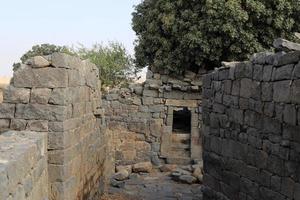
x=158, y=121
x=60, y=96
x=251, y=115
x=23, y=166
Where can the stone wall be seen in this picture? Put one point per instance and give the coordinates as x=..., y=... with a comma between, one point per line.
x=140, y=117
x=60, y=95
x=23, y=166
x=251, y=115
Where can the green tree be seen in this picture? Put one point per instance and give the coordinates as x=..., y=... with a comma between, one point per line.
x=114, y=62
x=181, y=34
x=41, y=50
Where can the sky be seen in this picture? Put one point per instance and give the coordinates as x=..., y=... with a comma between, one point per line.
x=61, y=22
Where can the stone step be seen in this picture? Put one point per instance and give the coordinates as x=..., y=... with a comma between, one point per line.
x=179, y=160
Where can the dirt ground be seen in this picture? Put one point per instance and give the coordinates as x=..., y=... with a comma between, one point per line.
x=156, y=186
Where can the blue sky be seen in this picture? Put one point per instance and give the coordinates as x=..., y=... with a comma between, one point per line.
x=61, y=22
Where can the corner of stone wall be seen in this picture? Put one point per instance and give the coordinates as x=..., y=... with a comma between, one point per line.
x=60, y=95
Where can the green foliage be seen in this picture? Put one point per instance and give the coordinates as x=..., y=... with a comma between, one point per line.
x=180, y=34
x=41, y=50
x=115, y=64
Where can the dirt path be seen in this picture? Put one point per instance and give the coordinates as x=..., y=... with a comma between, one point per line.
x=155, y=186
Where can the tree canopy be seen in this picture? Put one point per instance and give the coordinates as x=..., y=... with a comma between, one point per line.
x=179, y=34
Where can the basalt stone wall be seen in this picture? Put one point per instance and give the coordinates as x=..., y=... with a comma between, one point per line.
x=60, y=95
x=23, y=166
x=252, y=129
x=140, y=117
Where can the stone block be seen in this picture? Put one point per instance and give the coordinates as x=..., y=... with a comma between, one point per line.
x=297, y=70
x=150, y=93
x=142, y=167
x=39, y=62
x=285, y=45
x=147, y=100
x=16, y=95
x=246, y=87
x=182, y=103
x=288, y=58
x=41, y=112
x=18, y=124
x=40, y=78
x=258, y=72
x=267, y=92
x=282, y=91
x=156, y=127
x=37, y=125
x=290, y=114
x=296, y=91
x=283, y=72
x=192, y=96
x=236, y=85
x=174, y=95
x=4, y=124
x=287, y=187
x=7, y=110
x=267, y=72
x=40, y=95
x=244, y=70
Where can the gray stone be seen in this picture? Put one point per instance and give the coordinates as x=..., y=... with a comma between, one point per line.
x=297, y=191
x=288, y=58
x=281, y=91
x=39, y=62
x=41, y=112
x=267, y=92
x=258, y=72
x=261, y=58
x=174, y=95
x=267, y=72
x=236, y=85
x=7, y=110
x=40, y=78
x=4, y=123
x=244, y=70
x=297, y=70
x=283, y=72
x=40, y=95
x=287, y=187
x=296, y=91
x=37, y=125
x=285, y=45
x=246, y=86
x=150, y=93
x=290, y=114
x=187, y=179
x=16, y=95
x=18, y=124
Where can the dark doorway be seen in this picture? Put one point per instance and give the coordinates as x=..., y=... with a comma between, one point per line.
x=182, y=121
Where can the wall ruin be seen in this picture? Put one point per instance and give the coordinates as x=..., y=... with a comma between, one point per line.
x=251, y=115
x=60, y=95
x=140, y=120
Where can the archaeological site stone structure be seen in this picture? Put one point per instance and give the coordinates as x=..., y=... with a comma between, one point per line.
x=158, y=121
x=252, y=128
x=61, y=139
x=58, y=96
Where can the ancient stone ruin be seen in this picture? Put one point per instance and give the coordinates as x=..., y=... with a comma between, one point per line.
x=61, y=139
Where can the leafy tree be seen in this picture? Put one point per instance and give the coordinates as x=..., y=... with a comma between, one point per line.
x=41, y=50
x=114, y=62
x=193, y=34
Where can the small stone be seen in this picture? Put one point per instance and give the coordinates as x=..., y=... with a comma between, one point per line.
x=142, y=167
x=117, y=184
x=121, y=175
x=187, y=179
x=168, y=167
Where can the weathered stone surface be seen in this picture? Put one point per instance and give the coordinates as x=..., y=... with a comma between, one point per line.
x=40, y=77
x=142, y=167
x=7, y=110
x=187, y=179
x=16, y=95
x=282, y=91
x=296, y=92
x=121, y=175
x=181, y=103
x=18, y=124
x=40, y=95
x=41, y=112
x=283, y=72
x=39, y=62
x=288, y=58
x=246, y=85
x=128, y=168
x=285, y=45
x=168, y=167
x=37, y=125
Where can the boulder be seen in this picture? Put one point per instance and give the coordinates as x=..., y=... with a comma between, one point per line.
x=142, y=167
x=285, y=45
x=128, y=168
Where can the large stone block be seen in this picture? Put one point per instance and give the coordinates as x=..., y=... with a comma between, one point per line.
x=288, y=58
x=40, y=95
x=16, y=95
x=41, y=112
x=283, y=72
x=296, y=91
x=244, y=70
x=246, y=87
x=7, y=110
x=40, y=77
x=282, y=91
x=267, y=72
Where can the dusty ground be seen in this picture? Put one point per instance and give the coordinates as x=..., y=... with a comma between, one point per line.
x=156, y=186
